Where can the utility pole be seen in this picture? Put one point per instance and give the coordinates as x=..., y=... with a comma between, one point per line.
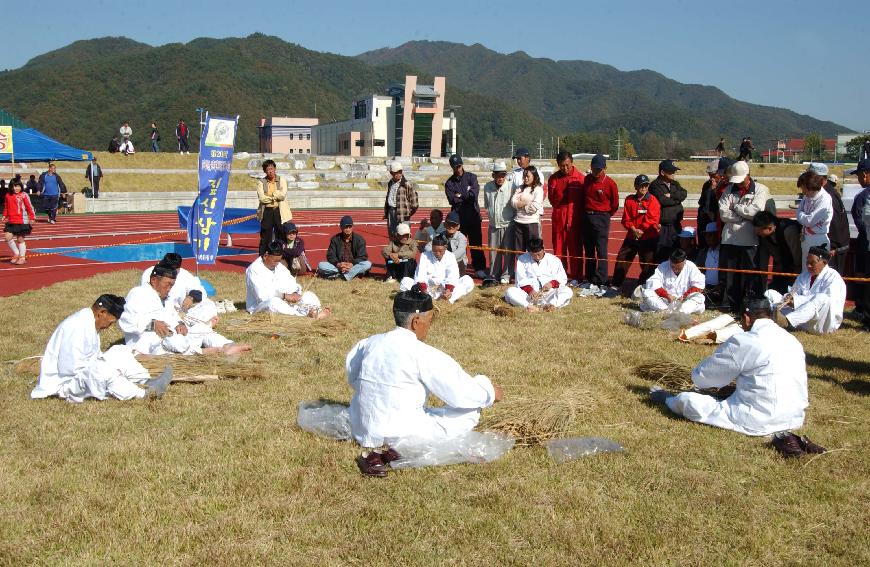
x=558, y=146
x=618, y=145
x=512, y=149
x=540, y=149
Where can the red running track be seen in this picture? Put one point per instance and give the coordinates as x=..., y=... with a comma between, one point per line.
x=316, y=227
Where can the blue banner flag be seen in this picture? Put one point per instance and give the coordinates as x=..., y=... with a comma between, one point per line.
x=215, y=163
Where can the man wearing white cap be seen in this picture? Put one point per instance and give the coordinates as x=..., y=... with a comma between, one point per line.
x=400, y=254
x=401, y=200
x=814, y=213
x=741, y=200
x=497, y=201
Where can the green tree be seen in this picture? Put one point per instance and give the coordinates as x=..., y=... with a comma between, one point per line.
x=813, y=147
x=651, y=146
x=853, y=147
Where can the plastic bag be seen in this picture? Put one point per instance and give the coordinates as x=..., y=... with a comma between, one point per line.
x=472, y=447
x=575, y=447
x=676, y=321
x=324, y=419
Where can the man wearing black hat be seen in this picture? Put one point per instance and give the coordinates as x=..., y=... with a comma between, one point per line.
x=185, y=282
x=347, y=255
x=149, y=319
x=861, y=215
x=462, y=190
x=73, y=367
x=393, y=373
x=640, y=217
x=708, y=203
x=670, y=195
x=523, y=159
x=457, y=242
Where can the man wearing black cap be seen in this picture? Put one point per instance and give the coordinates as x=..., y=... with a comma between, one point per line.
x=768, y=366
x=457, y=242
x=185, y=282
x=670, y=195
x=346, y=256
x=708, y=203
x=600, y=202
x=392, y=375
x=150, y=324
x=860, y=215
x=462, y=190
x=73, y=367
x=640, y=217
x=523, y=159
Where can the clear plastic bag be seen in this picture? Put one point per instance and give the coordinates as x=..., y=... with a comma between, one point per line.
x=472, y=447
x=324, y=419
x=575, y=447
x=633, y=319
x=676, y=321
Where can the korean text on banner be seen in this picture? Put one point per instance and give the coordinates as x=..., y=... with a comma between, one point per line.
x=6, y=140
x=215, y=163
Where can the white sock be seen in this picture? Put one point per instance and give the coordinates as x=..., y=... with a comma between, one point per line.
x=22, y=249
x=13, y=246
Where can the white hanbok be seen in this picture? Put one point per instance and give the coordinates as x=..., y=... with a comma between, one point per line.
x=392, y=375
x=677, y=285
x=185, y=282
x=536, y=275
x=815, y=215
x=818, y=303
x=265, y=287
x=73, y=368
x=199, y=327
x=143, y=306
x=770, y=371
x=437, y=275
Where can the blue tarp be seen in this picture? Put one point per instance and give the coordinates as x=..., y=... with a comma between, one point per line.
x=32, y=145
x=251, y=226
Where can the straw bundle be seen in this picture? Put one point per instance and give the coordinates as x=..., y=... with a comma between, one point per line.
x=28, y=366
x=274, y=324
x=531, y=421
x=668, y=375
x=492, y=304
x=203, y=364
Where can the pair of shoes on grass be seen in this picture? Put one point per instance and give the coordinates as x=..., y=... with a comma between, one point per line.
x=790, y=445
x=375, y=464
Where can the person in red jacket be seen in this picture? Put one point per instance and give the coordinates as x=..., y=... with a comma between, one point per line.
x=600, y=201
x=18, y=214
x=565, y=188
x=640, y=217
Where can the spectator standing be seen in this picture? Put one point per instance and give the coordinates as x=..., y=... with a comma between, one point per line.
x=497, y=200
x=32, y=186
x=273, y=211
x=528, y=201
x=814, y=213
x=462, y=190
x=865, y=150
x=600, y=202
x=94, y=174
x=401, y=199
x=708, y=203
x=670, y=195
x=126, y=139
x=838, y=231
x=862, y=252
x=720, y=147
x=50, y=187
x=182, y=133
x=155, y=138
x=565, y=191
x=640, y=217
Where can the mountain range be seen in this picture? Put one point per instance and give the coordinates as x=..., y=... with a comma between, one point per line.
x=82, y=92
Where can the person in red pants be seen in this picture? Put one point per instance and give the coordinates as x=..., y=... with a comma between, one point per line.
x=565, y=190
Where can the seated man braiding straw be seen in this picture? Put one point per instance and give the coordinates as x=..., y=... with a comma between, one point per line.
x=438, y=274
x=541, y=280
x=271, y=287
x=675, y=281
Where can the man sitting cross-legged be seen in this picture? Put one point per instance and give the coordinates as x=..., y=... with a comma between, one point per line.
x=271, y=287
x=438, y=275
x=675, y=280
x=768, y=365
x=392, y=375
x=541, y=280
x=73, y=367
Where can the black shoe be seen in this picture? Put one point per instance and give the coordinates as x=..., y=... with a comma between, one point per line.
x=810, y=447
x=371, y=464
x=658, y=395
x=787, y=444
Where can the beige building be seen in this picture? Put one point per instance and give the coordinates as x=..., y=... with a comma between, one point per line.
x=285, y=135
x=407, y=121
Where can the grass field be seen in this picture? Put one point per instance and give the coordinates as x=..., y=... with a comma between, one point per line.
x=218, y=474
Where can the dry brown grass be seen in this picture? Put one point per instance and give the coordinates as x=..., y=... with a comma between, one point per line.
x=534, y=421
x=218, y=474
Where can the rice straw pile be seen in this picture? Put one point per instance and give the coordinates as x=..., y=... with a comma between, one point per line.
x=668, y=375
x=275, y=324
x=534, y=421
x=200, y=364
x=492, y=304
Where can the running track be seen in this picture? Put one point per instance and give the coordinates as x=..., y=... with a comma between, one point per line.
x=316, y=227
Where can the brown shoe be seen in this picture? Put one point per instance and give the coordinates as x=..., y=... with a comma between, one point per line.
x=810, y=447
x=786, y=443
x=390, y=455
x=370, y=464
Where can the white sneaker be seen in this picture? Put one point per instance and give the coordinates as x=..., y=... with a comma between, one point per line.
x=390, y=279
x=505, y=279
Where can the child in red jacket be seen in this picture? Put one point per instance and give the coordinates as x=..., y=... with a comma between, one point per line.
x=18, y=216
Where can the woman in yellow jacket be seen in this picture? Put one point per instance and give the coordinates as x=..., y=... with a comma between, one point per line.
x=273, y=210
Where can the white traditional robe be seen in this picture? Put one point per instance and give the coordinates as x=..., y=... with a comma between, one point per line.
x=437, y=274
x=536, y=275
x=265, y=287
x=199, y=329
x=815, y=215
x=677, y=285
x=769, y=367
x=73, y=368
x=392, y=375
x=818, y=307
x=185, y=282
x=143, y=305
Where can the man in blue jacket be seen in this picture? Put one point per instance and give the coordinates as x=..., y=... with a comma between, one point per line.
x=50, y=187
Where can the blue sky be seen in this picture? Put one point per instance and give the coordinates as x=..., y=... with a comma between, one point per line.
x=797, y=54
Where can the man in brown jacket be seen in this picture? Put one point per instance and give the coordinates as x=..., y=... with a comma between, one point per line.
x=401, y=200
x=273, y=211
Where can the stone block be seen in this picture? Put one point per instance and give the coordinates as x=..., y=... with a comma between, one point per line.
x=307, y=176
x=289, y=178
x=414, y=176
x=255, y=164
x=345, y=185
x=427, y=167
x=335, y=176
x=308, y=185
x=344, y=160
x=541, y=162
x=322, y=164
x=428, y=187
x=354, y=167
x=378, y=167
x=300, y=164
x=242, y=155
x=282, y=165
x=439, y=161
x=405, y=161
x=377, y=176
x=361, y=186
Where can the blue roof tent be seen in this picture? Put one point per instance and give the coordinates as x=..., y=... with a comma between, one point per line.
x=32, y=145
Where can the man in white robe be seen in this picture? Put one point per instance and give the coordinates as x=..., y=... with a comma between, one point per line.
x=816, y=301
x=392, y=375
x=438, y=274
x=271, y=287
x=541, y=281
x=185, y=282
x=768, y=365
x=73, y=368
x=675, y=280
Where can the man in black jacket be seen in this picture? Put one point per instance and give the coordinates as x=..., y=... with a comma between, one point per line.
x=780, y=240
x=670, y=195
x=346, y=256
